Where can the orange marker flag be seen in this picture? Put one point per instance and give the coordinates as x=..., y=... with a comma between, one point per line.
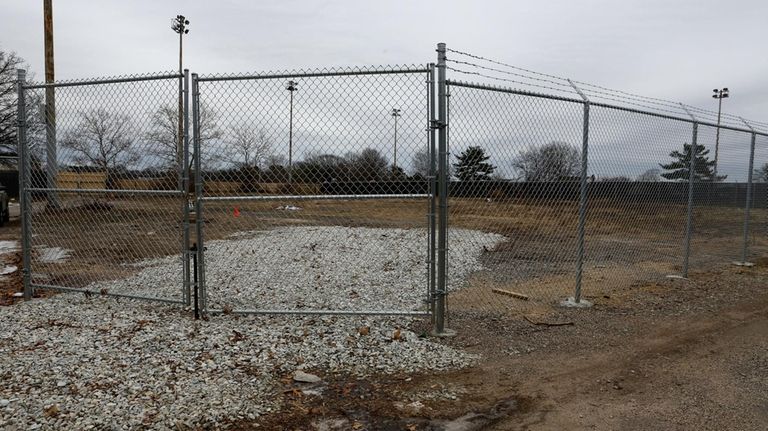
x=237, y=212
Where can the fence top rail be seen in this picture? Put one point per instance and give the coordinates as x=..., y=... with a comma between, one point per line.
x=107, y=191
x=317, y=197
x=328, y=72
x=509, y=90
x=102, y=81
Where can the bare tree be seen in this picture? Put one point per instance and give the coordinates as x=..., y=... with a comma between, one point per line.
x=103, y=140
x=421, y=164
x=555, y=161
x=9, y=62
x=252, y=147
x=164, y=134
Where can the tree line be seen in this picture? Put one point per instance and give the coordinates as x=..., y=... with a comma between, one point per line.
x=107, y=141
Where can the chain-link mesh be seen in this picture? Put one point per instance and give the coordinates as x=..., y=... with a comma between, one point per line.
x=530, y=203
x=315, y=190
x=107, y=215
x=719, y=201
x=516, y=159
x=757, y=236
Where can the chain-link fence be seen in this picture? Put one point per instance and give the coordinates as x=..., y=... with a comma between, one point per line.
x=592, y=189
x=380, y=190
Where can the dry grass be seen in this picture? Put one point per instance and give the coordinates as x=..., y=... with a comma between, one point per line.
x=625, y=243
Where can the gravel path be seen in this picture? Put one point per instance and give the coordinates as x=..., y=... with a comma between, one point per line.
x=74, y=362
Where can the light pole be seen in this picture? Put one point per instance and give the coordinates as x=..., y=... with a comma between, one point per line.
x=720, y=95
x=291, y=86
x=395, y=115
x=179, y=25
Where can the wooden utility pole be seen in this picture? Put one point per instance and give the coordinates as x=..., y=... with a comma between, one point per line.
x=50, y=104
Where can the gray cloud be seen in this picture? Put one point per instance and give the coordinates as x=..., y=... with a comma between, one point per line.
x=675, y=50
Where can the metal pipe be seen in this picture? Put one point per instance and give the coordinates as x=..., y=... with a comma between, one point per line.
x=184, y=190
x=197, y=296
x=24, y=195
x=689, y=220
x=594, y=104
x=748, y=204
x=199, y=230
x=442, y=193
x=312, y=197
x=323, y=312
x=109, y=191
x=313, y=74
x=432, y=190
x=99, y=293
x=103, y=81
x=582, y=195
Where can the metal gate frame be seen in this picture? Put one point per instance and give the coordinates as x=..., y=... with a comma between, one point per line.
x=431, y=293
x=51, y=190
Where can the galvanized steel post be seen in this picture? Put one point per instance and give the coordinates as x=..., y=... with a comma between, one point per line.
x=198, y=195
x=184, y=185
x=748, y=203
x=689, y=220
x=442, y=192
x=23, y=166
x=582, y=196
x=432, y=193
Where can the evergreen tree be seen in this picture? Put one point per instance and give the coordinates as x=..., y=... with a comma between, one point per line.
x=472, y=165
x=760, y=174
x=680, y=168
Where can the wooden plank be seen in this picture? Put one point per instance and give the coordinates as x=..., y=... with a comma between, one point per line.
x=511, y=293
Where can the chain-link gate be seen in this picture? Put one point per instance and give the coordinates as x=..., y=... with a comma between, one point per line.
x=314, y=192
x=104, y=188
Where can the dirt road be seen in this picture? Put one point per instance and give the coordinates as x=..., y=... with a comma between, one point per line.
x=674, y=354
x=670, y=355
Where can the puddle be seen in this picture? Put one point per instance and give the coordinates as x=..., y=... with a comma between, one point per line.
x=469, y=422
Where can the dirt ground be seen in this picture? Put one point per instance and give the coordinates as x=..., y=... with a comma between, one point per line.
x=625, y=242
x=670, y=355
x=652, y=353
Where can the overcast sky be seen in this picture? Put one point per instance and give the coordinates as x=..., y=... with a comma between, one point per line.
x=677, y=50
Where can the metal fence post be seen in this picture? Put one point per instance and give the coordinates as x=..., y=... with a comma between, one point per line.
x=199, y=229
x=23, y=166
x=432, y=191
x=689, y=220
x=184, y=185
x=582, y=203
x=748, y=203
x=442, y=192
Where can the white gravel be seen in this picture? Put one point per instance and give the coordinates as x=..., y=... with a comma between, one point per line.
x=72, y=362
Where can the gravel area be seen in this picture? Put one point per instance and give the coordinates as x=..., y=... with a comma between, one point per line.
x=77, y=362
x=322, y=268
